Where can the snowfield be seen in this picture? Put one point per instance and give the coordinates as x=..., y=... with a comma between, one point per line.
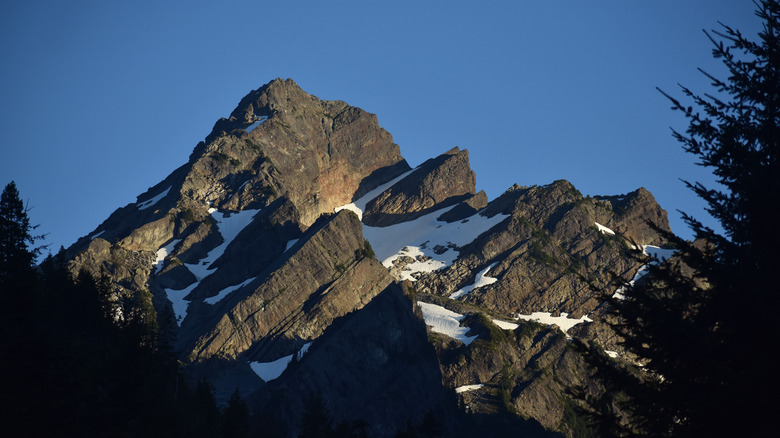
x=432, y=243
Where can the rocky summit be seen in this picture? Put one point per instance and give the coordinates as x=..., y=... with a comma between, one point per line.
x=296, y=253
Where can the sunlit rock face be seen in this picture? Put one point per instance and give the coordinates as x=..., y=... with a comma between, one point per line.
x=440, y=182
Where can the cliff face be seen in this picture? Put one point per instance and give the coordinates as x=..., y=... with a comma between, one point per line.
x=296, y=253
x=324, y=277
x=439, y=182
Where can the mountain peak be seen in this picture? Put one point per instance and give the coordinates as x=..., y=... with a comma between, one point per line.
x=251, y=260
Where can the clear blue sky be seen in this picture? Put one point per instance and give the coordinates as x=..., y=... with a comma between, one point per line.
x=100, y=100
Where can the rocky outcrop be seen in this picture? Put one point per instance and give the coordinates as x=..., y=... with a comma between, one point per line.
x=468, y=207
x=634, y=212
x=127, y=268
x=525, y=372
x=437, y=183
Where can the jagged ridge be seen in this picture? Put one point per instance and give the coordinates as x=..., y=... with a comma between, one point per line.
x=240, y=247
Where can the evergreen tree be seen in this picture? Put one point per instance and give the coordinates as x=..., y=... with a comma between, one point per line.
x=16, y=256
x=704, y=325
x=409, y=432
x=235, y=418
x=315, y=420
x=72, y=369
x=204, y=411
x=431, y=427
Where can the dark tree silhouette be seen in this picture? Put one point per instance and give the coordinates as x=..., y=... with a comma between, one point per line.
x=70, y=367
x=17, y=256
x=235, y=418
x=315, y=419
x=704, y=325
x=206, y=413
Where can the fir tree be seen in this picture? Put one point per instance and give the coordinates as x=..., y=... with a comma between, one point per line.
x=17, y=256
x=235, y=418
x=204, y=411
x=704, y=325
x=431, y=427
x=315, y=420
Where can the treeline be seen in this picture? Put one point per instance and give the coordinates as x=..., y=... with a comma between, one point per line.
x=75, y=360
x=316, y=422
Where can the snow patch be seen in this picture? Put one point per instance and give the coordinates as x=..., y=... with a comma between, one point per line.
x=481, y=280
x=351, y=207
x=224, y=292
x=271, y=370
x=563, y=322
x=238, y=190
x=359, y=205
x=96, y=235
x=658, y=254
x=445, y=322
x=612, y=354
x=180, y=305
x=290, y=244
x=162, y=253
x=505, y=325
x=465, y=388
x=148, y=203
x=303, y=350
x=603, y=229
x=430, y=242
x=229, y=227
x=256, y=123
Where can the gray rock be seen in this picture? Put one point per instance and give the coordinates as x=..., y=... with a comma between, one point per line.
x=437, y=183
